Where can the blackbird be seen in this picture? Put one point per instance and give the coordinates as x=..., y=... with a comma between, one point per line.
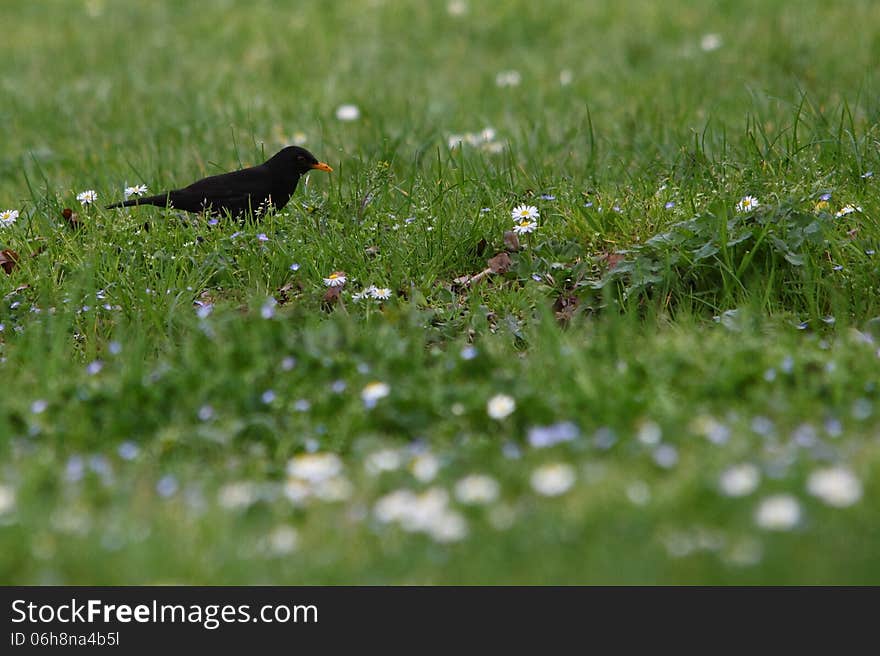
x=255, y=189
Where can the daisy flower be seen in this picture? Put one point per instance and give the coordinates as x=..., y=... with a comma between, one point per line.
x=373, y=392
x=508, y=79
x=529, y=212
x=780, y=512
x=87, y=197
x=8, y=217
x=747, y=204
x=500, y=406
x=848, y=209
x=553, y=480
x=335, y=279
x=836, y=486
x=525, y=226
x=348, y=113
x=380, y=293
x=137, y=190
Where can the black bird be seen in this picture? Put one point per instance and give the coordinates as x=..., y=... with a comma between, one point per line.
x=254, y=189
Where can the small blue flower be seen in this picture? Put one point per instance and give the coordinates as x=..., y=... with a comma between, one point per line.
x=669, y=205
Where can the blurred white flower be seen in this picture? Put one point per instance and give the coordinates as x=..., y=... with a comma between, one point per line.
x=565, y=77
x=477, y=489
x=314, y=467
x=500, y=406
x=710, y=42
x=836, y=486
x=425, y=467
x=299, y=138
x=238, y=495
x=649, y=433
x=457, y=8
x=427, y=513
x=380, y=293
x=373, y=392
x=348, y=113
x=553, y=480
x=508, y=79
x=739, y=480
x=383, y=461
x=7, y=498
x=780, y=512
x=87, y=197
x=282, y=540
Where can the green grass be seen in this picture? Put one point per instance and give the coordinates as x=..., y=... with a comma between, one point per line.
x=146, y=439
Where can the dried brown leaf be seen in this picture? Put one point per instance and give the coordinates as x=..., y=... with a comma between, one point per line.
x=511, y=241
x=500, y=263
x=8, y=260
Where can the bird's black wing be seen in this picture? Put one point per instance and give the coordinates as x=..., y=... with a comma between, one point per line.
x=237, y=189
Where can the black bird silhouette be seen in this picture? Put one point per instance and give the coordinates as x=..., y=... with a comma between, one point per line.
x=254, y=189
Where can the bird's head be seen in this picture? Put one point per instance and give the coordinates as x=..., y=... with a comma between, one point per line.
x=299, y=159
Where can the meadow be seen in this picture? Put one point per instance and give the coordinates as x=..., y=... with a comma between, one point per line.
x=667, y=374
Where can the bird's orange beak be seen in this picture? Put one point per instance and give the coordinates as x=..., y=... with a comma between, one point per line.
x=321, y=166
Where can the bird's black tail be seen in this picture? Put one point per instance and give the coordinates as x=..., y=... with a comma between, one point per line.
x=159, y=201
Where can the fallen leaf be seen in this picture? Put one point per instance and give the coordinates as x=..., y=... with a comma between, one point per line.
x=371, y=251
x=481, y=247
x=511, y=241
x=500, y=263
x=8, y=260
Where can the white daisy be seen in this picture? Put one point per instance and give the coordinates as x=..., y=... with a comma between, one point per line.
x=282, y=540
x=747, y=204
x=335, y=279
x=710, y=42
x=380, y=293
x=456, y=8
x=779, y=512
x=525, y=212
x=7, y=499
x=385, y=460
x=525, y=226
x=454, y=140
x=8, y=217
x=373, y=392
x=553, y=480
x=476, y=489
x=348, y=113
x=500, y=406
x=508, y=79
x=739, y=480
x=836, y=486
x=314, y=467
x=137, y=190
x=87, y=197
x=848, y=209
